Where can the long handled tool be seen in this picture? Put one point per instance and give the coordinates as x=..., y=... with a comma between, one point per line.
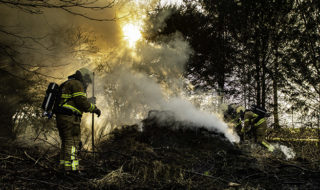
x=92, y=127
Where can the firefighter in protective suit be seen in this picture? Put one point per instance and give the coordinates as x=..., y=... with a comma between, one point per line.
x=256, y=124
x=233, y=115
x=71, y=104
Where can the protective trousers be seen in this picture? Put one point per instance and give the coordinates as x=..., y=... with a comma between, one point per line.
x=260, y=132
x=70, y=135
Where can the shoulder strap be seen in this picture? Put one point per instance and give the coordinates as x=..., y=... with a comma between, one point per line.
x=58, y=99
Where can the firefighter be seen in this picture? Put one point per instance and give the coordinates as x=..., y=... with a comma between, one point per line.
x=71, y=105
x=255, y=124
x=233, y=115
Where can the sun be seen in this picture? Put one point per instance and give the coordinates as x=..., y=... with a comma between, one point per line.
x=132, y=34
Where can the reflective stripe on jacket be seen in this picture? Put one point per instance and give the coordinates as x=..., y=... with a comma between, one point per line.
x=250, y=120
x=74, y=98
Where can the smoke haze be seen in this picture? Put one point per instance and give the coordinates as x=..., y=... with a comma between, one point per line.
x=131, y=81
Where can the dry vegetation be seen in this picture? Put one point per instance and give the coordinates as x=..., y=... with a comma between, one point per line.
x=161, y=158
x=304, y=141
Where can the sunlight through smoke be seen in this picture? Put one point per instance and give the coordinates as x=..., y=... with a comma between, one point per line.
x=131, y=34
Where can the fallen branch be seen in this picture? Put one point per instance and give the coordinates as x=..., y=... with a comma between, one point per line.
x=293, y=182
x=100, y=152
x=298, y=167
x=205, y=175
x=9, y=156
x=256, y=174
x=35, y=161
x=45, y=182
x=29, y=156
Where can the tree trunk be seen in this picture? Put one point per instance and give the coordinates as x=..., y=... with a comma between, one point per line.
x=6, y=124
x=263, y=81
x=251, y=90
x=221, y=88
x=244, y=86
x=257, y=75
x=275, y=91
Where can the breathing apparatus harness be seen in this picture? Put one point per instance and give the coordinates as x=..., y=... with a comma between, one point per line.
x=51, y=102
x=259, y=114
x=64, y=108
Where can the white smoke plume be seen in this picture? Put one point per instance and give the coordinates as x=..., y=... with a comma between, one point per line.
x=136, y=93
x=184, y=110
x=288, y=152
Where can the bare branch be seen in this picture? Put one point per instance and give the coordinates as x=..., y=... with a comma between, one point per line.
x=58, y=4
x=34, y=39
x=9, y=156
x=38, y=73
x=87, y=17
x=35, y=7
x=18, y=64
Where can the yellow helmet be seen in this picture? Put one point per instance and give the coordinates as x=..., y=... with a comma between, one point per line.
x=240, y=109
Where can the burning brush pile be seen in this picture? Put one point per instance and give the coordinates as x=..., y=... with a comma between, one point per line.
x=161, y=153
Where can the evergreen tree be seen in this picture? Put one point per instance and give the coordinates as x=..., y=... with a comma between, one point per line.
x=302, y=59
x=254, y=51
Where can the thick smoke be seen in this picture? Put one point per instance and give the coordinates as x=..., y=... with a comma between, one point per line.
x=133, y=88
x=185, y=111
x=131, y=81
x=136, y=85
x=138, y=93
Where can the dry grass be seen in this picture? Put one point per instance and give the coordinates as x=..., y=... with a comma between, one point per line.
x=295, y=139
x=160, y=158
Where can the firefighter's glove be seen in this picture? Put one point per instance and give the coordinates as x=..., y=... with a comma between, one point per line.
x=92, y=100
x=97, y=111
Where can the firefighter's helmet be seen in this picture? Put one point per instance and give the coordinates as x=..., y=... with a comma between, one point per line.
x=86, y=75
x=240, y=109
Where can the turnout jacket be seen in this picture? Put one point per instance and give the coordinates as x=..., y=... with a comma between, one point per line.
x=73, y=98
x=252, y=120
x=258, y=125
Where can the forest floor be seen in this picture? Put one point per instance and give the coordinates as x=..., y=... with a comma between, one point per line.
x=159, y=157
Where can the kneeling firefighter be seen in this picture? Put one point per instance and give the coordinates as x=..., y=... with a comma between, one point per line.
x=233, y=114
x=255, y=123
x=70, y=105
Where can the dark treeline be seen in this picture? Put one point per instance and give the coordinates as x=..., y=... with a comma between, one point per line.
x=252, y=52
